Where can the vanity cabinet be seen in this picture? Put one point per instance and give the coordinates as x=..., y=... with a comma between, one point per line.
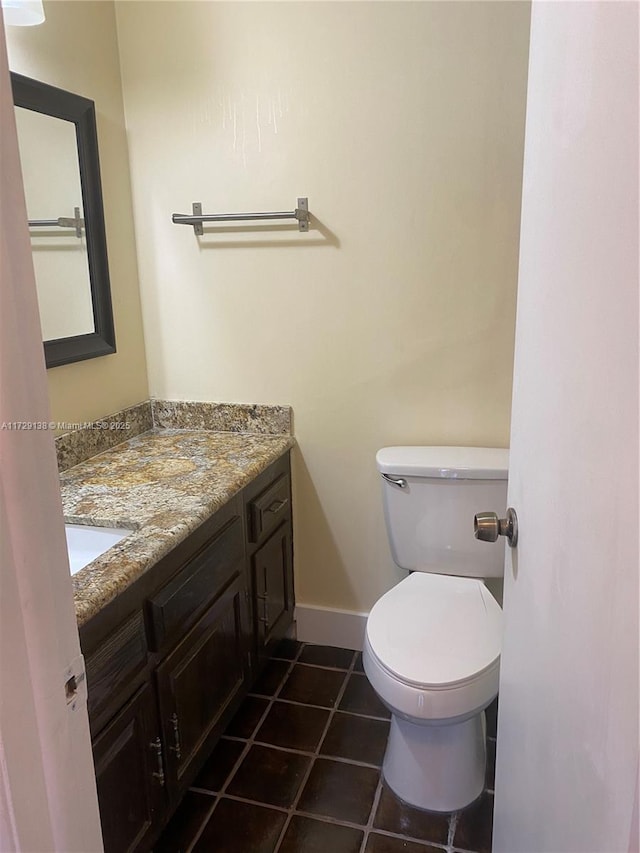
x=169, y=660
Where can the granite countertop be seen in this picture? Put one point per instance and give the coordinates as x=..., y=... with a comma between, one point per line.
x=163, y=484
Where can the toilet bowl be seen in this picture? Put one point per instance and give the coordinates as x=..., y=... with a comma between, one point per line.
x=433, y=642
x=432, y=654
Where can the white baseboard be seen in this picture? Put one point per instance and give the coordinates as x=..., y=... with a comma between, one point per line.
x=328, y=627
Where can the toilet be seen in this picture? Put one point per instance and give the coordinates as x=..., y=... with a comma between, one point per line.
x=432, y=643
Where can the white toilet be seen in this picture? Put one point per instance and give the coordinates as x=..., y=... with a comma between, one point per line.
x=432, y=646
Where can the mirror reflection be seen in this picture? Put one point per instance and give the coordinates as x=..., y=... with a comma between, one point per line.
x=58, y=143
x=56, y=223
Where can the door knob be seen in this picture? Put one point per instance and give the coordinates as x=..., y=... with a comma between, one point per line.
x=487, y=527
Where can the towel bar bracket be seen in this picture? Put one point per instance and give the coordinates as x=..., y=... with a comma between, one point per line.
x=198, y=227
x=302, y=214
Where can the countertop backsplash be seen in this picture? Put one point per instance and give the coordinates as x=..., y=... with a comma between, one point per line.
x=89, y=439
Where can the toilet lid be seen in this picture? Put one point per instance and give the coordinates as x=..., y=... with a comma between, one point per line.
x=436, y=630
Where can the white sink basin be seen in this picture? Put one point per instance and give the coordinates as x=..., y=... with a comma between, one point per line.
x=85, y=543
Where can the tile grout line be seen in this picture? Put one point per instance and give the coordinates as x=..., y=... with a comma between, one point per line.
x=453, y=824
x=205, y=820
x=324, y=707
x=249, y=743
x=374, y=808
x=338, y=758
x=305, y=778
x=372, y=814
x=318, y=665
x=414, y=839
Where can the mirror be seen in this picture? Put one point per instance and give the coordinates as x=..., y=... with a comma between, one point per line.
x=61, y=171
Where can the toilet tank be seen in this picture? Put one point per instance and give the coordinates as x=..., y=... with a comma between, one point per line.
x=429, y=509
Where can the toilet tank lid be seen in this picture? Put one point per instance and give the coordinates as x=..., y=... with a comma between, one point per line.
x=461, y=463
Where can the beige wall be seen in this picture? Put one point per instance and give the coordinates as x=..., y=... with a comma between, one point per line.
x=392, y=321
x=76, y=49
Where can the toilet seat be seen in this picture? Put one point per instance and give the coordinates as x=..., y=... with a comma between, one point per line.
x=436, y=630
x=432, y=647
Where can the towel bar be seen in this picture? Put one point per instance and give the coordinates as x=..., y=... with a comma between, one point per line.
x=196, y=218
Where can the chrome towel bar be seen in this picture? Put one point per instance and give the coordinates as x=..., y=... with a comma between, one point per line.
x=77, y=222
x=196, y=218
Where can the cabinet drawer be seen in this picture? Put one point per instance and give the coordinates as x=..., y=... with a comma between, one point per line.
x=269, y=508
x=113, y=664
x=202, y=580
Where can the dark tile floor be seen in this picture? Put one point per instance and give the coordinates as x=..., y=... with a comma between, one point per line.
x=298, y=771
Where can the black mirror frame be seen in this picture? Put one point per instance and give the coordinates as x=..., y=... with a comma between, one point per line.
x=49, y=100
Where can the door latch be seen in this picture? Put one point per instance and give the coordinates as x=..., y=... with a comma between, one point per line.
x=75, y=683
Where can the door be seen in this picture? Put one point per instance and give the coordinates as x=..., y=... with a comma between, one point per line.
x=567, y=757
x=273, y=589
x=200, y=685
x=130, y=775
x=47, y=788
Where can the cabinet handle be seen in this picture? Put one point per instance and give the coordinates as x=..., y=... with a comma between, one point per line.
x=264, y=598
x=176, y=737
x=277, y=505
x=156, y=746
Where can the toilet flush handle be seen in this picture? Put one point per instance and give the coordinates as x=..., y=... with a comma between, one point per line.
x=396, y=481
x=487, y=527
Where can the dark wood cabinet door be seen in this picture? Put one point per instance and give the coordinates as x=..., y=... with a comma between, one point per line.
x=273, y=589
x=129, y=775
x=201, y=683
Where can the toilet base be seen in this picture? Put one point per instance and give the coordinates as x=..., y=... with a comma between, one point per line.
x=437, y=768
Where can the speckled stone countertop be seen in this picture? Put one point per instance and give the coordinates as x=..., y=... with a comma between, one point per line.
x=163, y=484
